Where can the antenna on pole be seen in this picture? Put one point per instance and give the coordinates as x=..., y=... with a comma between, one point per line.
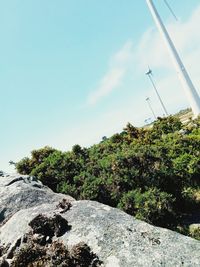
x=150, y=74
x=190, y=90
x=170, y=9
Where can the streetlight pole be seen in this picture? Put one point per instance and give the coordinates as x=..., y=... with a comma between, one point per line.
x=187, y=84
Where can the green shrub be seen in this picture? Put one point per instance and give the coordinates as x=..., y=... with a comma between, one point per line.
x=167, y=125
x=26, y=165
x=151, y=174
x=153, y=206
x=195, y=232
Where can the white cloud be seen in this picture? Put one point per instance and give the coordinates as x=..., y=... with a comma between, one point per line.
x=113, y=78
x=123, y=56
x=109, y=82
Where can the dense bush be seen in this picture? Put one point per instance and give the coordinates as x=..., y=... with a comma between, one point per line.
x=152, y=206
x=152, y=173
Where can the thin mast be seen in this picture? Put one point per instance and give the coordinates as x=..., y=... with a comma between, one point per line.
x=149, y=104
x=149, y=73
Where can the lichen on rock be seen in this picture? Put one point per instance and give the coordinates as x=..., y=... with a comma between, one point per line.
x=55, y=254
x=50, y=254
x=53, y=226
x=37, y=249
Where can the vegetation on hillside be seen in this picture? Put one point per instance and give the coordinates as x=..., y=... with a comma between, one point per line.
x=152, y=174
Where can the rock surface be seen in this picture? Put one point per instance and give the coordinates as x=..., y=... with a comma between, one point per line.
x=20, y=192
x=115, y=237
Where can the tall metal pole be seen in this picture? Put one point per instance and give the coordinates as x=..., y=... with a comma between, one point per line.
x=149, y=73
x=149, y=104
x=187, y=84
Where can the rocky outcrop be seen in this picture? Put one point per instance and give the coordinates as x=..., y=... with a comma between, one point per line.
x=84, y=233
x=20, y=192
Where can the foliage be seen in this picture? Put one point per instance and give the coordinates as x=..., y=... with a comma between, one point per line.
x=152, y=205
x=26, y=165
x=150, y=173
x=195, y=233
x=166, y=125
x=189, y=230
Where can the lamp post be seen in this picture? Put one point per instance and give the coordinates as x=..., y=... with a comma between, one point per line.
x=187, y=84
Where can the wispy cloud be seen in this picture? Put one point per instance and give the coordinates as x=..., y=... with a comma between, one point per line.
x=109, y=82
x=113, y=78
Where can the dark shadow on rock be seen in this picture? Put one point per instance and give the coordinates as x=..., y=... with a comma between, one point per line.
x=2, y=215
x=15, y=180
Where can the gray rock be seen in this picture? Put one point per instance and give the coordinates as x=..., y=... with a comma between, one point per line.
x=118, y=239
x=20, y=192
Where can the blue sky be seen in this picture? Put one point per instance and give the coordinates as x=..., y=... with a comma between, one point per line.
x=72, y=71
